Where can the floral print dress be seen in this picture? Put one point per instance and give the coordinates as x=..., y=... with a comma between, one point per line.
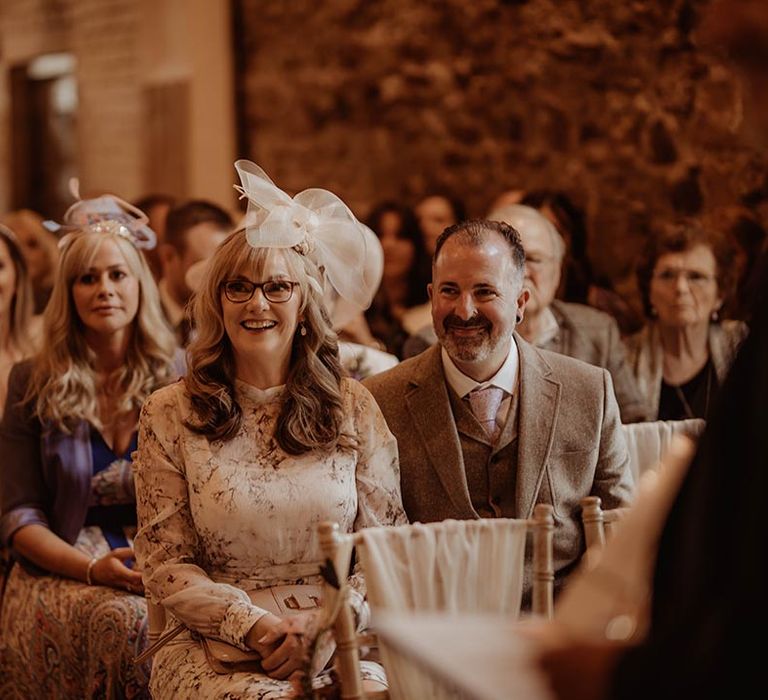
x=218, y=519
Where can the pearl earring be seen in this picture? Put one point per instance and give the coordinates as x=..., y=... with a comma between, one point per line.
x=302, y=329
x=714, y=316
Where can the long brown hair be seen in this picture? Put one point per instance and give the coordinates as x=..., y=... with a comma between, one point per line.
x=311, y=413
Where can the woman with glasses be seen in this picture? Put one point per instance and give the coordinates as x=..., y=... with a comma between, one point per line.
x=683, y=353
x=262, y=440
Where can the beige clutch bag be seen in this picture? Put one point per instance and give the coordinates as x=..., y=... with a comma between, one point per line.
x=280, y=601
x=227, y=658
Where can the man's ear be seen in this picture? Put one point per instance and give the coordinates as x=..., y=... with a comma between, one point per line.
x=429, y=291
x=522, y=300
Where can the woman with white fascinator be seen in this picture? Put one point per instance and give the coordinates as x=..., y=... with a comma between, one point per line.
x=263, y=440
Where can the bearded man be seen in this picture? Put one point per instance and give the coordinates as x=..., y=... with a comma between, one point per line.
x=487, y=425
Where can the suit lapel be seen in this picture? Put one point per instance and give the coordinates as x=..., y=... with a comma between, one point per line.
x=539, y=404
x=430, y=409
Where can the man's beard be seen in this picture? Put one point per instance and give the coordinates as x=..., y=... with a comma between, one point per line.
x=473, y=349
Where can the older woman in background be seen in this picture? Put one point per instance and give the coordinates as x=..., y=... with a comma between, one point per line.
x=682, y=355
x=66, y=487
x=18, y=331
x=40, y=250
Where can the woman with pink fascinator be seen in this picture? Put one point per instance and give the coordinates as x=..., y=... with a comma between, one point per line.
x=73, y=614
x=264, y=439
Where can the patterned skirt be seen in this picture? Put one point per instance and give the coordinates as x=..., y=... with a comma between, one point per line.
x=64, y=640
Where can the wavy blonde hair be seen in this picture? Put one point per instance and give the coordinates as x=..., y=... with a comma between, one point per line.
x=311, y=415
x=64, y=384
x=22, y=304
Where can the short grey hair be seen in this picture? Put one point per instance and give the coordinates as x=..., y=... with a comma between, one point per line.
x=524, y=218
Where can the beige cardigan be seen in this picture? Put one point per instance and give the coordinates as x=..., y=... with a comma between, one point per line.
x=645, y=356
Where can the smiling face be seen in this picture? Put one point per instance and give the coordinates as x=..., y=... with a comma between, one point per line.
x=106, y=293
x=476, y=295
x=684, y=288
x=261, y=331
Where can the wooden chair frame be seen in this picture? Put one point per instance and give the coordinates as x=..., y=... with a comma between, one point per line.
x=596, y=521
x=348, y=642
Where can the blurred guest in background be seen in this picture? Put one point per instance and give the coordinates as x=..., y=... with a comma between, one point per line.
x=578, y=282
x=436, y=211
x=570, y=222
x=19, y=329
x=39, y=247
x=683, y=353
x=403, y=284
x=193, y=231
x=571, y=329
x=748, y=238
x=156, y=206
x=66, y=488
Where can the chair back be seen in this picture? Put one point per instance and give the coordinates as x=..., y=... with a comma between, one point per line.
x=472, y=566
x=597, y=522
x=648, y=442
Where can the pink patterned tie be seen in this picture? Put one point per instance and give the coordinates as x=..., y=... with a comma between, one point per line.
x=485, y=405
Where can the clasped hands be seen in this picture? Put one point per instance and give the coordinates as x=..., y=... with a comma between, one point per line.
x=282, y=643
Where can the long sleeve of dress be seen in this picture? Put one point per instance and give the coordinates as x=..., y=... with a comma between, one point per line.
x=23, y=494
x=377, y=477
x=167, y=542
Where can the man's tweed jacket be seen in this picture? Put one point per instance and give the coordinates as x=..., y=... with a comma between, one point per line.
x=570, y=442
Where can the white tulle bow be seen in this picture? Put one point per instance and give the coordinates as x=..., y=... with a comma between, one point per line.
x=319, y=225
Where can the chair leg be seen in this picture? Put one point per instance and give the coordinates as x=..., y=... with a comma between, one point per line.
x=543, y=568
x=347, y=659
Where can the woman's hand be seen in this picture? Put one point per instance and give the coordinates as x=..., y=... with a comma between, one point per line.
x=289, y=640
x=110, y=570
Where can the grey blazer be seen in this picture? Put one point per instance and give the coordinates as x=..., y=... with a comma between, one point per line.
x=570, y=442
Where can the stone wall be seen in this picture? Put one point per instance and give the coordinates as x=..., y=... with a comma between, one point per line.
x=610, y=101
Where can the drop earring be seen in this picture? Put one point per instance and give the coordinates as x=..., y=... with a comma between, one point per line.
x=302, y=330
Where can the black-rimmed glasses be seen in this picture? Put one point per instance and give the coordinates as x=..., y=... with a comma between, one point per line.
x=275, y=291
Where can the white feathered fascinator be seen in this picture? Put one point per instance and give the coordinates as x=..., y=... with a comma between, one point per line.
x=316, y=223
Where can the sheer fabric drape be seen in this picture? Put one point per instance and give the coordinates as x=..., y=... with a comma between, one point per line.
x=473, y=566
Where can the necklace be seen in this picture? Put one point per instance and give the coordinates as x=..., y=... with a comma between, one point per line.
x=686, y=406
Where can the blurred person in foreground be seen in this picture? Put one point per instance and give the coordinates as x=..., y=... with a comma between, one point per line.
x=707, y=589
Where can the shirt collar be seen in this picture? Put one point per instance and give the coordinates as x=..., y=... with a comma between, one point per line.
x=505, y=378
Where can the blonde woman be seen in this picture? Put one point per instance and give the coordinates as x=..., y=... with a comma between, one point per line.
x=18, y=328
x=262, y=440
x=68, y=504
x=39, y=248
